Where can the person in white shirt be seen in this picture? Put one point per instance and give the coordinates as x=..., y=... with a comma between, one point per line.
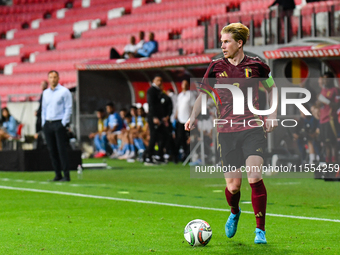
x=139, y=45
x=130, y=49
x=56, y=110
x=185, y=102
x=170, y=92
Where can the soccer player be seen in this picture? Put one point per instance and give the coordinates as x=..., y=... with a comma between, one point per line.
x=329, y=126
x=240, y=145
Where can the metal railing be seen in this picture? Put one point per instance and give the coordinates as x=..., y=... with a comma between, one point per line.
x=278, y=29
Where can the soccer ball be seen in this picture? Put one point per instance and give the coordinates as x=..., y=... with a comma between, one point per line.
x=197, y=233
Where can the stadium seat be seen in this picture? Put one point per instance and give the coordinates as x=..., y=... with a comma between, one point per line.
x=165, y=54
x=6, y=60
x=77, y=54
x=63, y=65
x=40, y=31
x=165, y=19
x=34, y=78
x=192, y=32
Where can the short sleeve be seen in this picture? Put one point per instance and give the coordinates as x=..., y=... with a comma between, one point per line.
x=206, y=85
x=106, y=121
x=265, y=71
x=266, y=76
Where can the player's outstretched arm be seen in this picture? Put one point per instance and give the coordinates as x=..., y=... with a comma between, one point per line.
x=189, y=125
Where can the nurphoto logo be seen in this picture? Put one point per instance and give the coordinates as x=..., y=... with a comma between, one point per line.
x=239, y=102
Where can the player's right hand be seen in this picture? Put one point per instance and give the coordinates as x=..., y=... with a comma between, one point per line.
x=188, y=125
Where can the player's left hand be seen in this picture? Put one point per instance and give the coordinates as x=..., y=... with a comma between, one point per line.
x=271, y=123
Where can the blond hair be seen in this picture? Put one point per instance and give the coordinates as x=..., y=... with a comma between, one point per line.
x=238, y=32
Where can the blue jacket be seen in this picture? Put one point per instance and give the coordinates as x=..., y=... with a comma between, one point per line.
x=148, y=48
x=11, y=126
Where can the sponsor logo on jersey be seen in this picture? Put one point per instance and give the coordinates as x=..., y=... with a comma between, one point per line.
x=224, y=74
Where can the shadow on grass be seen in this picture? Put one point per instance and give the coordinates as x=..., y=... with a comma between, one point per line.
x=240, y=248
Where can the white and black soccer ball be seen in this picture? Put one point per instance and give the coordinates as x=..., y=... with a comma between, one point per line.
x=197, y=233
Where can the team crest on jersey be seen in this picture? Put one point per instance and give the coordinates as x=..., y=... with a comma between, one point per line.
x=224, y=74
x=247, y=72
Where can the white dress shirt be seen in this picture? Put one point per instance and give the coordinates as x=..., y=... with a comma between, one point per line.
x=185, y=102
x=56, y=105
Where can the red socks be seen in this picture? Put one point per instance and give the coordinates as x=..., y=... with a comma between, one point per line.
x=333, y=159
x=258, y=199
x=233, y=200
x=259, y=202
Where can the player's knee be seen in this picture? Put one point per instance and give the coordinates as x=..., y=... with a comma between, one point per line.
x=233, y=189
x=254, y=180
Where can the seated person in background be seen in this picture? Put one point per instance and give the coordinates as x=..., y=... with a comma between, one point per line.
x=133, y=113
x=130, y=49
x=143, y=127
x=148, y=48
x=141, y=120
x=129, y=136
x=99, y=143
x=141, y=42
x=9, y=126
x=122, y=114
x=127, y=149
x=140, y=127
x=114, y=127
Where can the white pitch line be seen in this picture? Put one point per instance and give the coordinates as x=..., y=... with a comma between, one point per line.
x=159, y=203
x=286, y=183
x=57, y=183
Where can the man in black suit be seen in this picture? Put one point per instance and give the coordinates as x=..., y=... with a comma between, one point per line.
x=155, y=121
x=167, y=139
x=38, y=127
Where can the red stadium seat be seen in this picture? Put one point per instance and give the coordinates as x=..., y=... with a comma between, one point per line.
x=40, y=31
x=170, y=17
x=36, y=78
x=76, y=54
x=192, y=32
x=6, y=60
x=64, y=65
x=30, y=48
x=165, y=54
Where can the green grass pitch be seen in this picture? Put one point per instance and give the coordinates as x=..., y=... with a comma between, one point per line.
x=33, y=220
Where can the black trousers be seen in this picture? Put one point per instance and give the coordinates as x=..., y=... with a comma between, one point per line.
x=156, y=134
x=169, y=143
x=114, y=54
x=181, y=138
x=57, y=144
x=38, y=125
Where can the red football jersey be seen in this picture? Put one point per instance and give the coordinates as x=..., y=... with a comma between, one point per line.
x=246, y=74
x=326, y=111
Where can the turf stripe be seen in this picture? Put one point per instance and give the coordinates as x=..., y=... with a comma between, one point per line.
x=159, y=203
